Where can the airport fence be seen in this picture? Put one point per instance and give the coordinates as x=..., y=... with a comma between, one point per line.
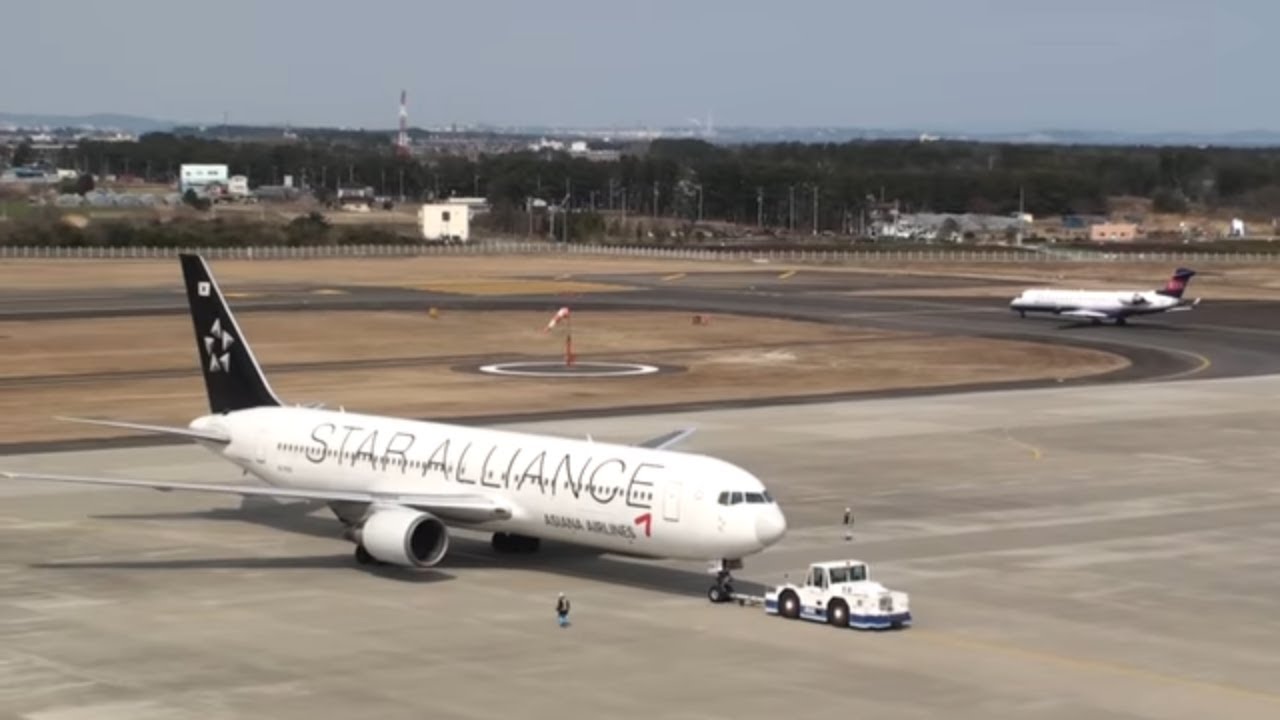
x=781, y=256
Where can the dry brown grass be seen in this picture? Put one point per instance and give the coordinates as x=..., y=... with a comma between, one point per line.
x=42, y=275
x=1214, y=282
x=732, y=357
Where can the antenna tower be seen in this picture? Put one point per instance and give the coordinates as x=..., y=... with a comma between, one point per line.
x=402, y=139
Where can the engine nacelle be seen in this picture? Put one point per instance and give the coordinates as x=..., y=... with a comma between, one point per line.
x=401, y=536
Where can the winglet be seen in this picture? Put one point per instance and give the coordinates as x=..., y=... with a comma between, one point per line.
x=663, y=442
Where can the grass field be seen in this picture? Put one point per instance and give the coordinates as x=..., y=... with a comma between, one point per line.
x=408, y=364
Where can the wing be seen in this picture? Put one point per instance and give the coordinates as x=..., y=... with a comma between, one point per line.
x=189, y=433
x=662, y=442
x=460, y=507
x=1092, y=314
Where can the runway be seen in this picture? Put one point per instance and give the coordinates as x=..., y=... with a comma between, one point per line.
x=1088, y=552
x=1218, y=339
x=1102, y=548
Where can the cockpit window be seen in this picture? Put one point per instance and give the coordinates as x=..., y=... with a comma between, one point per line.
x=737, y=498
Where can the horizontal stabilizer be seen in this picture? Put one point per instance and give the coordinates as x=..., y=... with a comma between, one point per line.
x=461, y=507
x=191, y=433
x=662, y=442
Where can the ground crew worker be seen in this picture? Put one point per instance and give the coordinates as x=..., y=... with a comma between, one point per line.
x=848, y=524
x=562, y=610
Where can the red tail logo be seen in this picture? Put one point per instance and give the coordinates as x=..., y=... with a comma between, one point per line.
x=647, y=521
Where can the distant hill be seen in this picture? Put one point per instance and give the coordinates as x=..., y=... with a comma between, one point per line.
x=101, y=121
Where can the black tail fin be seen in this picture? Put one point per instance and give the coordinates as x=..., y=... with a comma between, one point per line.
x=232, y=376
x=1178, y=283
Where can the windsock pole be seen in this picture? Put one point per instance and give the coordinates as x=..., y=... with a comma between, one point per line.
x=568, y=341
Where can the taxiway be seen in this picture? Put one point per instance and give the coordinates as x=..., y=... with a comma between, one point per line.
x=1102, y=552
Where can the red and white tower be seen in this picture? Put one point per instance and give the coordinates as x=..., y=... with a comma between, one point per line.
x=402, y=139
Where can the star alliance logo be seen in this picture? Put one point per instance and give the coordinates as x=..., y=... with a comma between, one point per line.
x=219, y=358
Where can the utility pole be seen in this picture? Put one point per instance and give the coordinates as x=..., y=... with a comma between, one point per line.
x=791, y=208
x=699, y=203
x=815, y=208
x=759, y=207
x=655, y=198
x=1021, y=213
x=564, y=206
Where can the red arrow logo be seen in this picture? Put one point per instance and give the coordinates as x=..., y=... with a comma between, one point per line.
x=646, y=520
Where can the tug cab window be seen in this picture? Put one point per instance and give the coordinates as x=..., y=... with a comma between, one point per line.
x=818, y=578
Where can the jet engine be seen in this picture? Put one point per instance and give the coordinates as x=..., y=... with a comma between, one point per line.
x=402, y=536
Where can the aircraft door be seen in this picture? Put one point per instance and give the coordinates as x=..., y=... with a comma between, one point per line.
x=671, y=500
x=260, y=449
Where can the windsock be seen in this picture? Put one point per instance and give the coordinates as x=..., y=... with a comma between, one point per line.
x=561, y=314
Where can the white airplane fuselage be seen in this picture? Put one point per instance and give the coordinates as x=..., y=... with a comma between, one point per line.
x=619, y=498
x=1109, y=303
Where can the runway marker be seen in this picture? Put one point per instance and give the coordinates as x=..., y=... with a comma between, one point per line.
x=675, y=276
x=1035, y=451
x=1205, y=364
x=786, y=274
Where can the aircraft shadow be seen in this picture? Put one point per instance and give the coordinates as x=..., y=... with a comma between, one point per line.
x=321, y=562
x=1131, y=326
x=563, y=559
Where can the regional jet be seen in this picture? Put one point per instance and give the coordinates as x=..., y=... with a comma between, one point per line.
x=1099, y=305
x=399, y=485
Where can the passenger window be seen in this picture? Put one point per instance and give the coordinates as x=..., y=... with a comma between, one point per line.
x=737, y=498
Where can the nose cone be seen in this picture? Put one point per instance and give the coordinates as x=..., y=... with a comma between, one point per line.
x=771, y=525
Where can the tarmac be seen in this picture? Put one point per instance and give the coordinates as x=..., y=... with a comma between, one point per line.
x=1101, y=548
x=1100, y=552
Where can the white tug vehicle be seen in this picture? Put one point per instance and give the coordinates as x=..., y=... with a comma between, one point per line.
x=840, y=592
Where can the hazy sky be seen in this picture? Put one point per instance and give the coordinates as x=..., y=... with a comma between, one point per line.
x=948, y=64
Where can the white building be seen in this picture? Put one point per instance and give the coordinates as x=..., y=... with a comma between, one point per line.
x=445, y=221
x=200, y=177
x=238, y=186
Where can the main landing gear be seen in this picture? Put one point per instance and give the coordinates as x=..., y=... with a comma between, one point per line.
x=364, y=558
x=507, y=543
x=722, y=590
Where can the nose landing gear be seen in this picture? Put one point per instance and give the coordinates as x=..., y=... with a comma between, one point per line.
x=722, y=590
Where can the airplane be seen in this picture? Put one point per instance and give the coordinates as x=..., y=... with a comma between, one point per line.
x=1115, y=305
x=398, y=485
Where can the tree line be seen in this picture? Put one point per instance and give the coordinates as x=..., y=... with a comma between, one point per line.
x=782, y=185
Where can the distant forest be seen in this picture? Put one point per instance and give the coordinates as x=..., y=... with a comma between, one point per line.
x=774, y=184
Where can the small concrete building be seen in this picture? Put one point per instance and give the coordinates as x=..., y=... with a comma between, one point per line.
x=445, y=221
x=1113, y=232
